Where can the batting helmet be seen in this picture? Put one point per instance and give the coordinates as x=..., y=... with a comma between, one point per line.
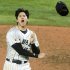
x=61, y=8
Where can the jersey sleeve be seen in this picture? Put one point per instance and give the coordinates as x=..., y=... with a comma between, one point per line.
x=11, y=38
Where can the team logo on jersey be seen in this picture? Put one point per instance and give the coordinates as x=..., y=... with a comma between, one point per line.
x=25, y=41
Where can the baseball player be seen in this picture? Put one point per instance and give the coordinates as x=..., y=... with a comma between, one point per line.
x=22, y=43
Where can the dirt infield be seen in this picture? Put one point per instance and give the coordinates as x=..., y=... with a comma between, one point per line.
x=54, y=41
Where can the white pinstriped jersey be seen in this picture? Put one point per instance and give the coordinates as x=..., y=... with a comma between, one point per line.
x=13, y=36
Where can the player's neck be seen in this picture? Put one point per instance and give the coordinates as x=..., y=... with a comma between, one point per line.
x=21, y=27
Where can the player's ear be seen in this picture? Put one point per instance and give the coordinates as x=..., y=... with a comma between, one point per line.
x=17, y=21
x=27, y=21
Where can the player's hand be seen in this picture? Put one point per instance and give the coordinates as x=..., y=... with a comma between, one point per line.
x=41, y=55
x=32, y=38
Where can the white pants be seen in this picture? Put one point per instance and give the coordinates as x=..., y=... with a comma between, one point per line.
x=13, y=66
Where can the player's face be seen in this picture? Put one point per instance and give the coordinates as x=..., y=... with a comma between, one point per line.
x=22, y=19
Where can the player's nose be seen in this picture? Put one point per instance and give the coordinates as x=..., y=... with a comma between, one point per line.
x=22, y=18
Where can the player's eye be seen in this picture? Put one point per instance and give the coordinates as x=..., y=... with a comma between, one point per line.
x=24, y=15
x=20, y=16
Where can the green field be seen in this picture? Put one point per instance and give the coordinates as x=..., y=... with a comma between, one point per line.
x=42, y=12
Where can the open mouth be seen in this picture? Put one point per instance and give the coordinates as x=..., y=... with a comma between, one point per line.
x=22, y=20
